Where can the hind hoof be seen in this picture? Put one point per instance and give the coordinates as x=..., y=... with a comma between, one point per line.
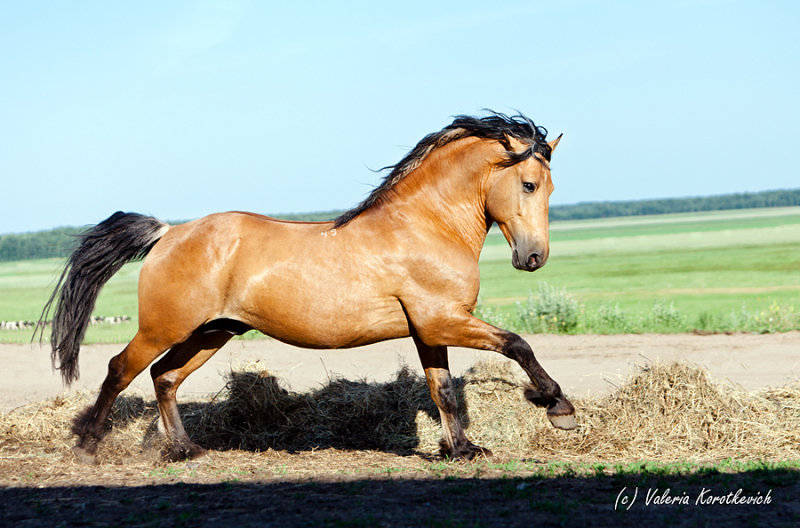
x=467, y=452
x=181, y=453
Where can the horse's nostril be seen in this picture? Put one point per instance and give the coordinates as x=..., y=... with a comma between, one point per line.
x=534, y=260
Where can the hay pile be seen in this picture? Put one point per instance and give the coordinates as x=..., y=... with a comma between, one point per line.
x=663, y=412
x=677, y=411
x=259, y=413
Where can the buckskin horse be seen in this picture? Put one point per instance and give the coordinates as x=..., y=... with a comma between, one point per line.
x=402, y=263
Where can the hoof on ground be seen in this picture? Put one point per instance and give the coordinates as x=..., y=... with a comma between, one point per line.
x=181, y=453
x=84, y=456
x=467, y=452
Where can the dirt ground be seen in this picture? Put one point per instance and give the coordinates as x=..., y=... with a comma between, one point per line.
x=582, y=364
x=333, y=487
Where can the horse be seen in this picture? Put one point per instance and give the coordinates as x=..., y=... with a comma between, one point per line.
x=402, y=263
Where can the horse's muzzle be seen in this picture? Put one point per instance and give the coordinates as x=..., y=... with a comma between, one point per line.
x=534, y=261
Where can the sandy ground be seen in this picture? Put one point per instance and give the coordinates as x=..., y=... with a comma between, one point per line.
x=331, y=487
x=583, y=364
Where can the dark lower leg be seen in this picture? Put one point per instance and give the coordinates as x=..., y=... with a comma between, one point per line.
x=168, y=374
x=179, y=445
x=543, y=391
x=454, y=443
x=90, y=425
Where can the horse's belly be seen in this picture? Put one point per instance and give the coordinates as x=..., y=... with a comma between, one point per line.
x=317, y=330
x=326, y=320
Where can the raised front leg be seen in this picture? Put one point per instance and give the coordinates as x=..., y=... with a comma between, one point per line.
x=544, y=391
x=454, y=443
x=457, y=327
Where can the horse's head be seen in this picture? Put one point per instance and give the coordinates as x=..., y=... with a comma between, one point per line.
x=518, y=200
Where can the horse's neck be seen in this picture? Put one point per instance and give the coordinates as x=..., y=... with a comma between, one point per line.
x=445, y=194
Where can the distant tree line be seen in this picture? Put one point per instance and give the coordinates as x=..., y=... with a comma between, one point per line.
x=57, y=242
x=780, y=198
x=61, y=241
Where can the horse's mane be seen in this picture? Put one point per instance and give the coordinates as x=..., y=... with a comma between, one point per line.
x=496, y=126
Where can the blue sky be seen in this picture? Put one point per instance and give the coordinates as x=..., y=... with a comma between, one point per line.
x=180, y=109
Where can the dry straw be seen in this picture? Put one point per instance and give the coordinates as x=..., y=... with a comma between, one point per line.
x=663, y=412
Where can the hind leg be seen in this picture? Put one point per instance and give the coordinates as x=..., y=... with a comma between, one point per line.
x=454, y=443
x=122, y=369
x=168, y=374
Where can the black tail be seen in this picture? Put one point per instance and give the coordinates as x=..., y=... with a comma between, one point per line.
x=102, y=251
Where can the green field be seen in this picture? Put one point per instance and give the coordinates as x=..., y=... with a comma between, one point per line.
x=702, y=264
x=25, y=286
x=723, y=270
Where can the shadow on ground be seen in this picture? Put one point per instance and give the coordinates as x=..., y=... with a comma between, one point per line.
x=508, y=502
x=257, y=413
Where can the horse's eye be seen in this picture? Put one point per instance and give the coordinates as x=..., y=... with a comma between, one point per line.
x=528, y=187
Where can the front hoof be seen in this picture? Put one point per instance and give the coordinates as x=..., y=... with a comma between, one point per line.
x=84, y=455
x=562, y=415
x=566, y=422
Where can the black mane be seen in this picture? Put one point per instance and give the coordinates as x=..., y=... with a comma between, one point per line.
x=496, y=126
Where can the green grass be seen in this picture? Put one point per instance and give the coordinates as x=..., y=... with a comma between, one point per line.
x=26, y=285
x=722, y=270
x=714, y=266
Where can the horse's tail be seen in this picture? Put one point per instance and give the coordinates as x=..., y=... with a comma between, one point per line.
x=102, y=251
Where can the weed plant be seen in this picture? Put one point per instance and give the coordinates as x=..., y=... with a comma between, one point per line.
x=552, y=310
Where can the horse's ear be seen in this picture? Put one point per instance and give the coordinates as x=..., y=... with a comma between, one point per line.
x=554, y=142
